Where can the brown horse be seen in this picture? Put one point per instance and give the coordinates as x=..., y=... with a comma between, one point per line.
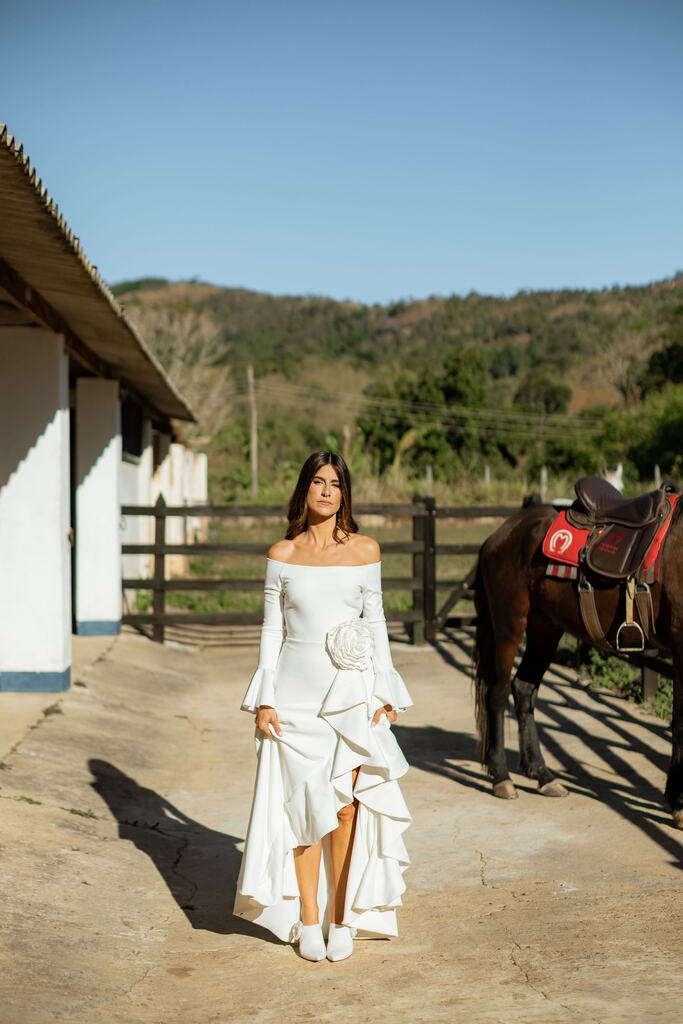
x=513, y=594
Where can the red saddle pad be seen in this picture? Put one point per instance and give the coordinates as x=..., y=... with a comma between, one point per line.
x=563, y=541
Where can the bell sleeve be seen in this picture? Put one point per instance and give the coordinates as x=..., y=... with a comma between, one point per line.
x=388, y=686
x=261, y=689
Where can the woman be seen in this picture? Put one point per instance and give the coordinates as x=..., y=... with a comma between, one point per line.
x=324, y=850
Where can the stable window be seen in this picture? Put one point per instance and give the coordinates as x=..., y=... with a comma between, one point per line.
x=131, y=429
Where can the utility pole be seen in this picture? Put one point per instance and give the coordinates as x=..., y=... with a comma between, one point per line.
x=253, y=442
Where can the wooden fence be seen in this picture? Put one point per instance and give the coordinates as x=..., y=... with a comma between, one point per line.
x=430, y=611
x=424, y=619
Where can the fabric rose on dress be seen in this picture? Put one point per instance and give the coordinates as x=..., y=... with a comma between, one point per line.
x=349, y=644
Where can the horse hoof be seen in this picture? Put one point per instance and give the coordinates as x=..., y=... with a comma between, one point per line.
x=554, y=788
x=678, y=819
x=505, y=790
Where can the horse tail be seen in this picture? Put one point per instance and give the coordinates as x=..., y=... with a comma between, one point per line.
x=483, y=662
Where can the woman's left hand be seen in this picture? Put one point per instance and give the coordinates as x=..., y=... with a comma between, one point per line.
x=386, y=710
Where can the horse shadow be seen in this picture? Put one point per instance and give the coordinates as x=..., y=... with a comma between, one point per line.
x=618, y=783
x=442, y=752
x=198, y=864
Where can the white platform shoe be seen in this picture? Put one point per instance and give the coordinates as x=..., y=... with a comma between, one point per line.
x=339, y=942
x=311, y=942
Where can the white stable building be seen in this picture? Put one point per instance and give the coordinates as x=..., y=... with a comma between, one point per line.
x=85, y=421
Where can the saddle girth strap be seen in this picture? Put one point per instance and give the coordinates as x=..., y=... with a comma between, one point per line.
x=637, y=597
x=589, y=612
x=646, y=613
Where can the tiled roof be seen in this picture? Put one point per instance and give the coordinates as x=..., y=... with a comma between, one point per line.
x=38, y=244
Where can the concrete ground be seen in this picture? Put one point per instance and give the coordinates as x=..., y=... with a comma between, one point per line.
x=124, y=805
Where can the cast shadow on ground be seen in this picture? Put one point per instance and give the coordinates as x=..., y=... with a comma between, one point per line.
x=198, y=864
x=616, y=782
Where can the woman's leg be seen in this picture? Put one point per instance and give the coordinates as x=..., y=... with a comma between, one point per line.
x=341, y=844
x=307, y=867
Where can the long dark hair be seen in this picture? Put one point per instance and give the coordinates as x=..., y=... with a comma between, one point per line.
x=297, y=513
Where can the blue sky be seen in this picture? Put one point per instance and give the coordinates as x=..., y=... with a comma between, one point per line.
x=372, y=151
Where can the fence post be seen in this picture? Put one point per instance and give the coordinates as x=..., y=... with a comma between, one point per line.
x=419, y=520
x=158, y=591
x=424, y=568
x=429, y=577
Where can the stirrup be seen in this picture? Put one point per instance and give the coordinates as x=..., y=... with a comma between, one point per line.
x=623, y=649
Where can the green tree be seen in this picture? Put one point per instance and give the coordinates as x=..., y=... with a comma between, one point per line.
x=539, y=392
x=657, y=432
x=664, y=366
x=464, y=380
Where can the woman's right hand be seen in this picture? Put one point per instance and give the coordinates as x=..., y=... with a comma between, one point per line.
x=265, y=717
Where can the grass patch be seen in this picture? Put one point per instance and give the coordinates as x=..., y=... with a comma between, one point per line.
x=81, y=814
x=664, y=699
x=612, y=673
x=143, y=601
x=28, y=800
x=615, y=674
x=54, y=709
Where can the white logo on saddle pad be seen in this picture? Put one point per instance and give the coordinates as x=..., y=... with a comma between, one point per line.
x=560, y=541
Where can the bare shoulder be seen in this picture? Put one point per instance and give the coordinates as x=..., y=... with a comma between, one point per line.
x=365, y=549
x=281, y=550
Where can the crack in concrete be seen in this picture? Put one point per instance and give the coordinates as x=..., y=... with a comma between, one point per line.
x=200, y=730
x=56, y=807
x=139, y=981
x=539, y=991
x=525, y=973
x=482, y=869
x=44, y=717
x=193, y=886
x=103, y=655
x=77, y=675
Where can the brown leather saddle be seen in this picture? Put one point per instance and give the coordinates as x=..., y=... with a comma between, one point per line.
x=622, y=532
x=622, y=529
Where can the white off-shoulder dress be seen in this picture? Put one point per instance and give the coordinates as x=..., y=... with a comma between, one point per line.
x=326, y=687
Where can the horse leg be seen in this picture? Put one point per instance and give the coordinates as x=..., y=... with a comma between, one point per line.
x=542, y=638
x=497, y=699
x=674, y=782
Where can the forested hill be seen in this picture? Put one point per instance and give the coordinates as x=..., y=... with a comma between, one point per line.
x=455, y=382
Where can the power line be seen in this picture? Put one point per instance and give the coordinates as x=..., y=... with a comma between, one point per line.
x=485, y=413
x=487, y=421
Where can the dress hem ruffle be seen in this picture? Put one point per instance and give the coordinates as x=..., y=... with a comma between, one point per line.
x=267, y=891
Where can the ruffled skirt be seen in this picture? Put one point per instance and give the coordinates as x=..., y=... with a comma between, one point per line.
x=304, y=777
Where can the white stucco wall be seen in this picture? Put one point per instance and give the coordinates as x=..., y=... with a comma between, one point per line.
x=161, y=480
x=35, y=554
x=198, y=494
x=176, y=526
x=136, y=489
x=202, y=478
x=98, y=535
x=182, y=478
